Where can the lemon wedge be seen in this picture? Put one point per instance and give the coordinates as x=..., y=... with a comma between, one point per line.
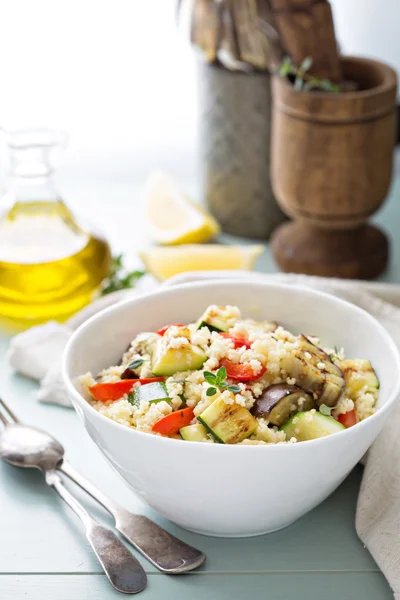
x=166, y=262
x=172, y=217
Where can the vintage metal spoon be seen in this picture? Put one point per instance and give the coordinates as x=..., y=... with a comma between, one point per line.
x=24, y=446
x=165, y=551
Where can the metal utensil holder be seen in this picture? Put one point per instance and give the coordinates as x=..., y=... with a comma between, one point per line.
x=235, y=130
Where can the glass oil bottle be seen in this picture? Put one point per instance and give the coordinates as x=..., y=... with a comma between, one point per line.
x=50, y=266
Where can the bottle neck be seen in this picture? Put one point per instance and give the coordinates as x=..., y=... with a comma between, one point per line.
x=30, y=177
x=32, y=188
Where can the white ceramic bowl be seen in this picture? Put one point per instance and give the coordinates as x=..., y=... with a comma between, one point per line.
x=232, y=490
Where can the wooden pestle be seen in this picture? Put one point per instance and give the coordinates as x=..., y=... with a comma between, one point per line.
x=306, y=29
x=205, y=28
x=253, y=44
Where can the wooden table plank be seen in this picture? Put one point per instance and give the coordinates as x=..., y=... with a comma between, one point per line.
x=201, y=587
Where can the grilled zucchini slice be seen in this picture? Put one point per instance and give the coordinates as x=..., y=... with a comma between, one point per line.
x=194, y=433
x=151, y=393
x=213, y=319
x=311, y=425
x=229, y=423
x=167, y=361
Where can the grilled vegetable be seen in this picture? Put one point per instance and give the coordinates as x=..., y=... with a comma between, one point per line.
x=164, y=329
x=194, y=433
x=167, y=361
x=359, y=374
x=140, y=352
x=133, y=368
x=172, y=423
x=114, y=390
x=213, y=320
x=238, y=342
x=280, y=402
x=314, y=372
x=241, y=371
x=151, y=393
x=229, y=423
x=129, y=374
x=348, y=419
x=311, y=425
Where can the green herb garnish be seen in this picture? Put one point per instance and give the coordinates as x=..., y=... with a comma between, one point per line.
x=326, y=410
x=135, y=364
x=218, y=382
x=211, y=391
x=131, y=399
x=304, y=81
x=118, y=278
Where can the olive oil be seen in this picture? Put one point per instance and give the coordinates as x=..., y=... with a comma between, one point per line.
x=50, y=266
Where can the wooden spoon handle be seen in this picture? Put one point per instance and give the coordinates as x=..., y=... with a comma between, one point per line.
x=306, y=29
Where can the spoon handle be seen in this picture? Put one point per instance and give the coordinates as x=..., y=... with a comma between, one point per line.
x=123, y=570
x=166, y=552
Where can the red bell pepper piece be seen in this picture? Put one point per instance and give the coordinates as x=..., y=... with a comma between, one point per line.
x=114, y=390
x=171, y=424
x=241, y=371
x=164, y=329
x=348, y=419
x=238, y=342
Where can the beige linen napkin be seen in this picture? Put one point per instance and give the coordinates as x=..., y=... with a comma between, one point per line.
x=378, y=510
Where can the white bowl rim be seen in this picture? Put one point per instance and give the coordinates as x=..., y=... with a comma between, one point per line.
x=395, y=393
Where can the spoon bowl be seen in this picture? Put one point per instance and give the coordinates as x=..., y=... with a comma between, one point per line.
x=23, y=446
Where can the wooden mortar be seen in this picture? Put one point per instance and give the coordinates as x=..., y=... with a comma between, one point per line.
x=331, y=169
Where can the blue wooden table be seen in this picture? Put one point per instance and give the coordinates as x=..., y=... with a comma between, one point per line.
x=44, y=555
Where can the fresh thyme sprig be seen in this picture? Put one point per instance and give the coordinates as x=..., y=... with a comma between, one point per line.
x=119, y=279
x=326, y=410
x=138, y=362
x=218, y=382
x=303, y=80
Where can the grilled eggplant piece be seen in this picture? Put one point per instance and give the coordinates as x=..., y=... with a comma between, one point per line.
x=314, y=372
x=129, y=374
x=280, y=402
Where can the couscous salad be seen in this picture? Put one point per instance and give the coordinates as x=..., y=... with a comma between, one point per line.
x=224, y=379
